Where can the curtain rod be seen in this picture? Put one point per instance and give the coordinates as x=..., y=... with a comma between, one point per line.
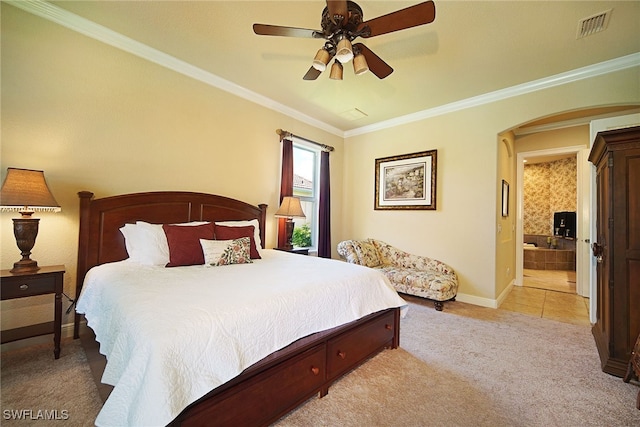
x=283, y=134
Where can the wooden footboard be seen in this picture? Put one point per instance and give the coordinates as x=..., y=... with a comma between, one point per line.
x=284, y=380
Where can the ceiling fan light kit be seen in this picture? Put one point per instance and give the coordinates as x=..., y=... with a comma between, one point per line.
x=344, y=50
x=336, y=71
x=321, y=60
x=360, y=64
x=342, y=22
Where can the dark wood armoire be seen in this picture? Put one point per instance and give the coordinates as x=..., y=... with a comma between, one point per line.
x=616, y=154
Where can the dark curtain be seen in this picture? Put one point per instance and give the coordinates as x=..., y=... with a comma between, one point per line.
x=286, y=185
x=324, y=214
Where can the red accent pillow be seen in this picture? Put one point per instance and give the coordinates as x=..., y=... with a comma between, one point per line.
x=184, y=243
x=232, y=233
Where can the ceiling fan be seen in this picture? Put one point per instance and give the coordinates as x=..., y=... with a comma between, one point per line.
x=341, y=23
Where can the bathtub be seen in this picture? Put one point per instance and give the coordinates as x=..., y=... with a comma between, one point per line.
x=537, y=258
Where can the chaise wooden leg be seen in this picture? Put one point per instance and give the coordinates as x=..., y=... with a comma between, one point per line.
x=438, y=305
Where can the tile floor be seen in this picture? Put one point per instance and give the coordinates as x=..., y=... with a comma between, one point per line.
x=550, y=294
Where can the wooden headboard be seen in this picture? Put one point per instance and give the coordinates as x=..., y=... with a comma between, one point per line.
x=100, y=240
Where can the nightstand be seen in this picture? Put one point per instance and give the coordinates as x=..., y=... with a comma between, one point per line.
x=301, y=251
x=46, y=280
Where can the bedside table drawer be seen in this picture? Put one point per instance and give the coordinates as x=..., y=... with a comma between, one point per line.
x=17, y=287
x=45, y=280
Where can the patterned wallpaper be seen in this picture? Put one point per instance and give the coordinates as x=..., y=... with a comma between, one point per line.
x=548, y=188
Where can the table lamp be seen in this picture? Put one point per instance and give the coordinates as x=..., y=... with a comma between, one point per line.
x=289, y=208
x=26, y=191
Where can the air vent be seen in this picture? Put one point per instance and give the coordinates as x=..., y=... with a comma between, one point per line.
x=593, y=24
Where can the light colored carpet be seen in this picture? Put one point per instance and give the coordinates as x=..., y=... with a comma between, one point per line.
x=32, y=382
x=474, y=366
x=465, y=366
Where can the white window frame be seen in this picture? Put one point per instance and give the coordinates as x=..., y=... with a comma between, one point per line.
x=298, y=144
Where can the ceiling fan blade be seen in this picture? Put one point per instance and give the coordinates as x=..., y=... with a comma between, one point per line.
x=312, y=74
x=376, y=65
x=276, y=30
x=338, y=7
x=412, y=16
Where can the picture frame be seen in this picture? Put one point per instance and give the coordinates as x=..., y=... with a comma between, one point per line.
x=406, y=182
x=505, y=198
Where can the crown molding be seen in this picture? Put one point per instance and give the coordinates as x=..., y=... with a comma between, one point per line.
x=606, y=67
x=103, y=34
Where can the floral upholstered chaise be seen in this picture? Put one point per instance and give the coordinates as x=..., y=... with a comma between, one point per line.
x=409, y=274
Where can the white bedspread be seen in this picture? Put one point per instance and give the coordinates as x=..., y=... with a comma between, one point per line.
x=171, y=335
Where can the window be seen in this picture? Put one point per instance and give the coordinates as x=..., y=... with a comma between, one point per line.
x=306, y=182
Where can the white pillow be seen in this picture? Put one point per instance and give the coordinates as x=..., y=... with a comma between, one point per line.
x=129, y=231
x=151, y=244
x=256, y=230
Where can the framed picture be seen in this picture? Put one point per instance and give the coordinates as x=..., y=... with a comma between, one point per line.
x=407, y=181
x=505, y=198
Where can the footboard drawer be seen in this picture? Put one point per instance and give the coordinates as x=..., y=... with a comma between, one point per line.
x=274, y=391
x=350, y=349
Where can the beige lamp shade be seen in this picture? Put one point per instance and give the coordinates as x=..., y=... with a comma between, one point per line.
x=344, y=51
x=336, y=71
x=26, y=191
x=290, y=208
x=360, y=65
x=321, y=60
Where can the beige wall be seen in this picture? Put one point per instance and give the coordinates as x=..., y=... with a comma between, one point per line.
x=99, y=119
x=95, y=118
x=555, y=138
x=464, y=230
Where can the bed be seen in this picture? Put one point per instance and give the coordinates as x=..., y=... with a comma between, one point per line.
x=303, y=362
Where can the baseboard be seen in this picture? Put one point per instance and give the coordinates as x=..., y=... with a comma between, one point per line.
x=472, y=299
x=505, y=293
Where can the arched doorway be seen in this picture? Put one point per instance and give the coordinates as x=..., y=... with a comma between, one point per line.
x=579, y=149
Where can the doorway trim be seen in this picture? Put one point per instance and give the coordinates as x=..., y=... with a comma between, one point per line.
x=582, y=271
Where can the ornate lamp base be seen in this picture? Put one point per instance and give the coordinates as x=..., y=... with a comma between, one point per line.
x=25, y=230
x=289, y=233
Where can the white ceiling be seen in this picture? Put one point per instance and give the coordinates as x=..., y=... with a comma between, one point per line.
x=471, y=49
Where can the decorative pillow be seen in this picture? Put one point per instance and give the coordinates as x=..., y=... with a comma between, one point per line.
x=256, y=229
x=184, y=243
x=236, y=232
x=367, y=254
x=226, y=252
